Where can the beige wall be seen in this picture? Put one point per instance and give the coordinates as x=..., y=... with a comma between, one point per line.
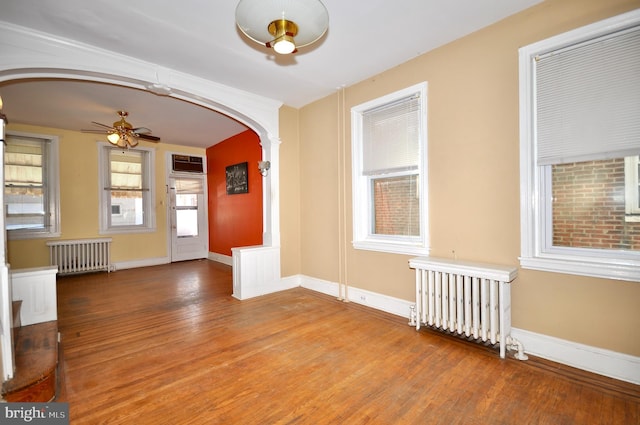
x=319, y=178
x=79, y=201
x=473, y=180
x=289, y=192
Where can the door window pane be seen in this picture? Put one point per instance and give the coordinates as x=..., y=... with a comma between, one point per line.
x=186, y=215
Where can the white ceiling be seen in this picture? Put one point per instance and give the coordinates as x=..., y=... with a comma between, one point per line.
x=199, y=37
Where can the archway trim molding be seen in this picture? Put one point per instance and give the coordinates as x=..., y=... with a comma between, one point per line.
x=27, y=54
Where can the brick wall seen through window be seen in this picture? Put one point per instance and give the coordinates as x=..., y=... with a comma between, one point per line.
x=397, y=206
x=589, y=206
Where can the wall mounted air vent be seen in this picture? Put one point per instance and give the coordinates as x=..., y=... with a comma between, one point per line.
x=189, y=164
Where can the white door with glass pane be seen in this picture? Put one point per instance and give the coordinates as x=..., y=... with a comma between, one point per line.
x=189, y=227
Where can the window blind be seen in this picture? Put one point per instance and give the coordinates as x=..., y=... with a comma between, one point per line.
x=24, y=159
x=588, y=100
x=390, y=136
x=25, y=190
x=125, y=172
x=189, y=186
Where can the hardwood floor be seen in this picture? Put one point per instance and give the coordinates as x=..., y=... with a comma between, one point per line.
x=169, y=345
x=36, y=364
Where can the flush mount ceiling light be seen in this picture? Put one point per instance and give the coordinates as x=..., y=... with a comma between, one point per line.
x=285, y=25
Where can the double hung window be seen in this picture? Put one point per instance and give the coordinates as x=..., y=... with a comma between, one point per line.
x=31, y=191
x=390, y=173
x=580, y=141
x=126, y=190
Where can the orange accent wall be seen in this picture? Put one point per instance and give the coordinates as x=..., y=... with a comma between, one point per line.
x=234, y=220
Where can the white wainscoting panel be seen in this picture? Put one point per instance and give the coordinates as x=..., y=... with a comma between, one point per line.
x=256, y=271
x=36, y=288
x=6, y=324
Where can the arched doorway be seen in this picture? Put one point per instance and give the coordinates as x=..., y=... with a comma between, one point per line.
x=27, y=55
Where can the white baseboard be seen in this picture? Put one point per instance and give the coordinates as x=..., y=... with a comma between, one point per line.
x=318, y=285
x=220, y=258
x=122, y=265
x=360, y=296
x=251, y=291
x=593, y=359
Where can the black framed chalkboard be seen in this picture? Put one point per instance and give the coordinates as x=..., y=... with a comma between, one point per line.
x=237, y=179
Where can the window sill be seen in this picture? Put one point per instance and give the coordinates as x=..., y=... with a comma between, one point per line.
x=628, y=270
x=393, y=248
x=31, y=235
x=128, y=230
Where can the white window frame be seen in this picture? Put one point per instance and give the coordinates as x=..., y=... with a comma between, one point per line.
x=52, y=186
x=148, y=176
x=537, y=251
x=631, y=185
x=363, y=238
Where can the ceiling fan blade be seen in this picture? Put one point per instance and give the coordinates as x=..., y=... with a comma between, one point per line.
x=141, y=130
x=95, y=131
x=101, y=125
x=147, y=137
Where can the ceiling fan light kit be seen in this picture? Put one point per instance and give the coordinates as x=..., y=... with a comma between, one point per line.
x=113, y=138
x=284, y=25
x=119, y=136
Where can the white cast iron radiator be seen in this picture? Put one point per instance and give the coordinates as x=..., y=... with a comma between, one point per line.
x=80, y=255
x=471, y=300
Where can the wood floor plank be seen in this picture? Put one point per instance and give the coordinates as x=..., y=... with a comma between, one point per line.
x=169, y=345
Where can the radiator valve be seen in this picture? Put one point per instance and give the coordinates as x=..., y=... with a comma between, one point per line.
x=412, y=315
x=514, y=344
